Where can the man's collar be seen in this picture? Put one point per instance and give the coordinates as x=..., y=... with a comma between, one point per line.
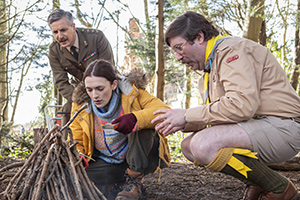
x=76, y=43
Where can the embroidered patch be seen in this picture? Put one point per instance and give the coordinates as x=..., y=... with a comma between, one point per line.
x=235, y=57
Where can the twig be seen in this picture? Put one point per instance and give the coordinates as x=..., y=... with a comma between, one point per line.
x=29, y=159
x=87, y=189
x=12, y=165
x=76, y=180
x=31, y=179
x=84, y=106
x=45, y=168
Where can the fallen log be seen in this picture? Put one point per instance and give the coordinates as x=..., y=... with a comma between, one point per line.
x=289, y=165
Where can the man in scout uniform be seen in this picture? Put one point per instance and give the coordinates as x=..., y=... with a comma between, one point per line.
x=250, y=115
x=71, y=52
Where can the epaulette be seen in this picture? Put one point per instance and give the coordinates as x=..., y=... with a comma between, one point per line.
x=53, y=43
x=89, y=30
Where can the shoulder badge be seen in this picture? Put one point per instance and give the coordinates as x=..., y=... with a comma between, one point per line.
x=235, y=57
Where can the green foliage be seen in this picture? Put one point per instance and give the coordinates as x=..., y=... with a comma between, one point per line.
x=174, y=142
x=145, y=49
x=46, y=90
x=14, y=143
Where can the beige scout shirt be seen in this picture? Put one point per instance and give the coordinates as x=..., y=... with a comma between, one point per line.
x=246, y=81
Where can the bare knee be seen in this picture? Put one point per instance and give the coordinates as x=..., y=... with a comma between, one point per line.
x=202, y=149
x=185, y=148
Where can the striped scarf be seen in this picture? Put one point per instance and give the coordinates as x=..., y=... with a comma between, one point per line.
x=112, y=145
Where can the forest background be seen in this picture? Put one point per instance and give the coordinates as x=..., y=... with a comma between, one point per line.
x=25, y=37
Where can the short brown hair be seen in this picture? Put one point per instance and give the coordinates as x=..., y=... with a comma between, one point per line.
x=189, y=25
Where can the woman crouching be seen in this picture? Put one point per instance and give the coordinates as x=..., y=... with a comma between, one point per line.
x=116, y=131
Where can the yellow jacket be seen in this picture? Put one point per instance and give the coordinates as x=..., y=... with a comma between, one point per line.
x=135, y=99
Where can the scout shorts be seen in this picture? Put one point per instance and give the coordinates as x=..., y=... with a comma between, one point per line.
x=274, y=139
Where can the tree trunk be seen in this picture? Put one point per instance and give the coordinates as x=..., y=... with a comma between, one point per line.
x=55, y=4
x=188, y=92
x=284, y=14
x=295, y=75
x=263, y=34
x=147, y=15
x=160, y=53
x=188, y=82
x=59, y=98
x=255, y=13
x=81, y=17
x=3, y=63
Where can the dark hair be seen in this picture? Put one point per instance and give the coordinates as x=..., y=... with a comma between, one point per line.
x=189, y=25
x=57, y=14
x=101, y=68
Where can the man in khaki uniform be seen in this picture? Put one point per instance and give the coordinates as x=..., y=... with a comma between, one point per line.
x=251, y=112
x=71, y=52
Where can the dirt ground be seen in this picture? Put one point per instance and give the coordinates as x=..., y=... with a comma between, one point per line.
x=184, y=181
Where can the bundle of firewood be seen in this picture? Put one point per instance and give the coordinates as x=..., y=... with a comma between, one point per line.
x=53, y=171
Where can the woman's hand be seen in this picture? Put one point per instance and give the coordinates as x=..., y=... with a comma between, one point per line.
x=126, y=123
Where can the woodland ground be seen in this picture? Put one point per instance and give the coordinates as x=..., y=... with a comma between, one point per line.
x=184, y=181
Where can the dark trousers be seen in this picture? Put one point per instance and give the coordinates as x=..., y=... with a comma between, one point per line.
x=142, y=156
x=65, y=117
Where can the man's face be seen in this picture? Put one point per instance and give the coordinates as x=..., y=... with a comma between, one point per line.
x=63, y=33
x=191, y=54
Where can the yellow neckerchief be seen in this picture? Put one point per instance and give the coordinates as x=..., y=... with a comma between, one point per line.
x=209, y=47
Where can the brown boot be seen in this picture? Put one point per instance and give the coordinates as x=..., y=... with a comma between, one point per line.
x=133, y=186
x=252, y=192
x=290, y=193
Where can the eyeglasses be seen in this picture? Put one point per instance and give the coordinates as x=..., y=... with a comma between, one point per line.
x=178, y=47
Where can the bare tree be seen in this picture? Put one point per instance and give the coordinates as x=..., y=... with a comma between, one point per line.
x=3, y=61
x=160, y=52
x=296, y=74
x=255, y=15
x=284, y=14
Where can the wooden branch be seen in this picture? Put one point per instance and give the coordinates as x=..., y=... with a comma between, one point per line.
x=290, y=165
x=6, y=175
x=30, y=158
x=29, y=182
x=53, y=171
x=75, y=176
x=10, y=166
x=84, y=106
x=45, y=169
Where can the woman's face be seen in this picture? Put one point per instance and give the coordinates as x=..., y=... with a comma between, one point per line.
x=99, y=89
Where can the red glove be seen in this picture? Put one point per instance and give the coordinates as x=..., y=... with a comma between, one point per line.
x=126, y=123
x=84, y=162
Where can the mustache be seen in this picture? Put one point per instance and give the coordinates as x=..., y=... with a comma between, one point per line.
x=63, y=39
x=185, y=60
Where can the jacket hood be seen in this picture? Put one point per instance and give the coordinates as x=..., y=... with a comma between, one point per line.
x=137, y=76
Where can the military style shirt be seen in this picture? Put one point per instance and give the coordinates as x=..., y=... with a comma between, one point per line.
x=92, y=45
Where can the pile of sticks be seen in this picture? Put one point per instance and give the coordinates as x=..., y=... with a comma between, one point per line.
x=53, y=171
